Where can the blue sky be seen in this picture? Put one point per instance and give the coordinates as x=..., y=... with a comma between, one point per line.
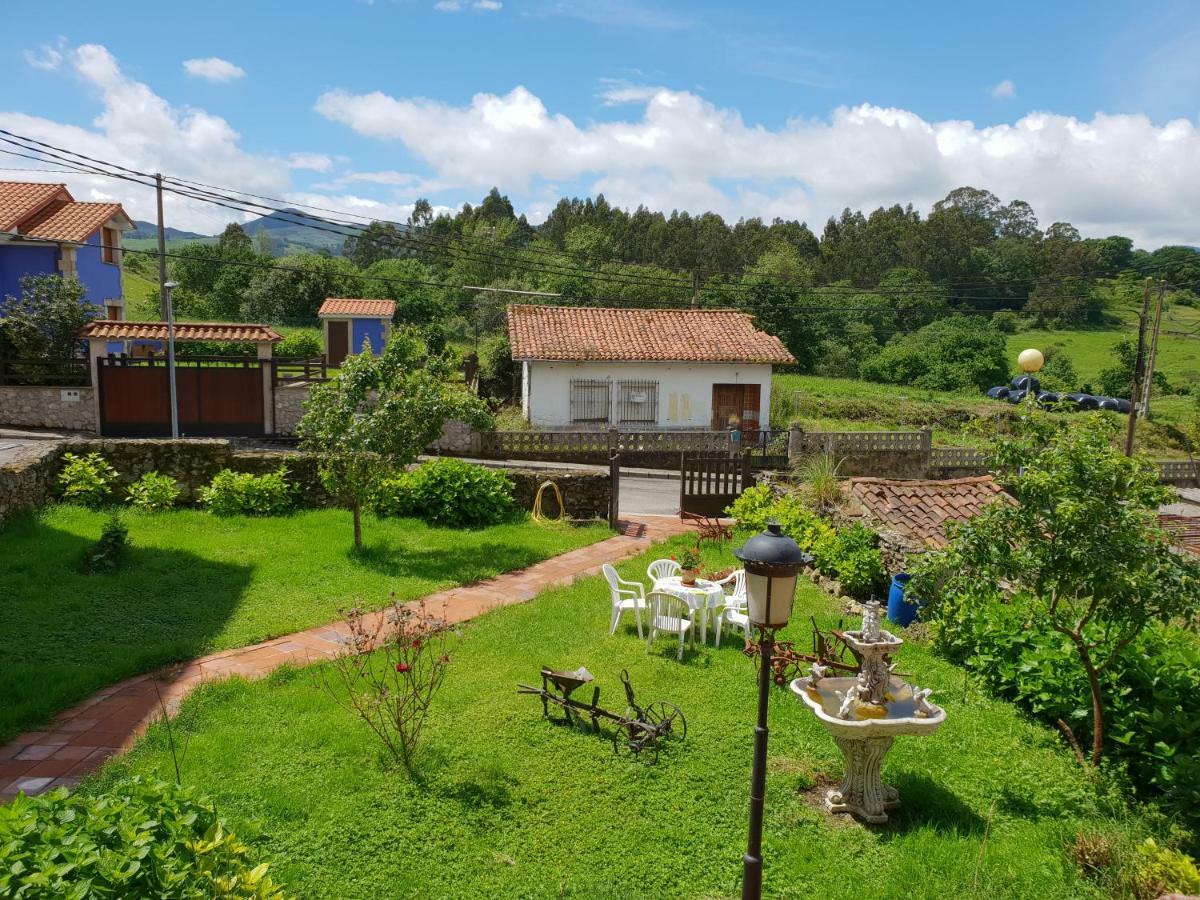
x=1088, y=111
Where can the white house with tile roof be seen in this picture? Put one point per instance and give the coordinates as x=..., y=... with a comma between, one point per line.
x=586, y=368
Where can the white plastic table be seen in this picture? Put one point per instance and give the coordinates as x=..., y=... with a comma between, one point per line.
x=703, y=596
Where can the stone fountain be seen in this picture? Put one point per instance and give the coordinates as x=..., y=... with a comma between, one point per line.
x=864, y=714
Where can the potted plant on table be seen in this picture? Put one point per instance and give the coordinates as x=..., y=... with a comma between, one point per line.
x=689, y=563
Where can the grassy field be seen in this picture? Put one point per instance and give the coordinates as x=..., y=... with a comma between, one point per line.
x=509, y=805
x=196, y=583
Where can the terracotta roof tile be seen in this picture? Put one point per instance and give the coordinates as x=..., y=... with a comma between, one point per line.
x=184, y=331
x=342, y=306
x=63, y=221
x=676, y=335
x=20, y=199
x=921, y=509
x=1185, y=530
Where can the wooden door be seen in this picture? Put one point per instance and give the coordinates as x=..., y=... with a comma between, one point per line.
x=735, y=404
x=339, y=342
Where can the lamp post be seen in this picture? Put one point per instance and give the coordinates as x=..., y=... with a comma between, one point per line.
x=168, y=287
x=771, y=560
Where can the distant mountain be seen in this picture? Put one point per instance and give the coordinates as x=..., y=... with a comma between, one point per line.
x=288, y=235
x=150, y=230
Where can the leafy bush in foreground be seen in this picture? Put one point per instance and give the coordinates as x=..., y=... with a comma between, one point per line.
x=153, y=491
x=143, y=838
x=851, y=556
x=108, y=553
x=758, y=505
x=86, y=479
x=450, y=493
x=240, y=493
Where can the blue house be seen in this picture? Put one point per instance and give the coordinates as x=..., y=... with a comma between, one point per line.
x=45, y=231
x=351, y=323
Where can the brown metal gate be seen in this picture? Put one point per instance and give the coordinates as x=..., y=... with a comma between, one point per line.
x=708, y=483
x=216, y=397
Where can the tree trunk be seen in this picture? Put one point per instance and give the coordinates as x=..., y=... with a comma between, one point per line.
x=1097, y=701
x=356, y=510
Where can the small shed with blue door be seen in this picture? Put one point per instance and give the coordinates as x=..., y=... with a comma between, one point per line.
x=350, y=325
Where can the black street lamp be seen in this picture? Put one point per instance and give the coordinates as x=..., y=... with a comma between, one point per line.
x=771, y=560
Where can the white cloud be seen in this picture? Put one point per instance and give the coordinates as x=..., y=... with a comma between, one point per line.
x=487, y=5
x=47, y=57
x=137, y=128
x=213, y=69
x=313, y=162
x=1005, y=90
x=448, y=6
x=1112, y=174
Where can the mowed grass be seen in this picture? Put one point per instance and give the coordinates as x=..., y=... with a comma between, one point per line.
x=508, y=804
x=196, y=583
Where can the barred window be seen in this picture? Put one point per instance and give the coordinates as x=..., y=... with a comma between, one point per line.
x=589, y=401
x=637, y=402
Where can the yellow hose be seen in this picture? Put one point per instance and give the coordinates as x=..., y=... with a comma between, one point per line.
x=538, y=516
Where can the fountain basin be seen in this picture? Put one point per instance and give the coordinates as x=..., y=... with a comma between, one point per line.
x=898, y=716
x=865, y=739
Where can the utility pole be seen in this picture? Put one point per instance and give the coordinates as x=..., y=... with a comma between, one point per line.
x=696, y=288
x=162, y=250
x=1148, y=380
x=1138, y=370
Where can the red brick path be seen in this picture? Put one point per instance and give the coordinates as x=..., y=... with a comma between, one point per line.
x=81, y=738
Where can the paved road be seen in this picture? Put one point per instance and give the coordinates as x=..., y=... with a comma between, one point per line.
x=649, y=496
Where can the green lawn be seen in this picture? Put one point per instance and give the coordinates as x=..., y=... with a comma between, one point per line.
x=196, y=583
x=510, y=805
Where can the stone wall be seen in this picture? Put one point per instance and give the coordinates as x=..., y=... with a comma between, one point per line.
x=457, y=439
x=46, y=407
x=193, y=463
x=289, y=407
x=586, y=495
x=28, y=481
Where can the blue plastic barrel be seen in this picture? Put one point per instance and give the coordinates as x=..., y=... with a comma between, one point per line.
x=899, y=610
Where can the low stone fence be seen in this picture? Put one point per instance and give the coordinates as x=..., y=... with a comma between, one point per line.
x=48, y=407
x=29, y=483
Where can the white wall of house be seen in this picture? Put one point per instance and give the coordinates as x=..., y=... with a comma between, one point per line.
x=684, y=391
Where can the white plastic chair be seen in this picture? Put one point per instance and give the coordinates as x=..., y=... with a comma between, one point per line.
x=734, y=610
x=662, y=568
x=625, y=595
x=670, y=615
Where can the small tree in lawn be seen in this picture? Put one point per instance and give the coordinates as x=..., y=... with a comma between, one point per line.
x=44, y=322
x=377, y=415
x=1082, y=548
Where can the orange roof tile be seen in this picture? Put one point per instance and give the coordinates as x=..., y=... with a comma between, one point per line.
x=21, y=199
x=1185, y=531
x=69, y=221
x=921, y=509
x=677, y=335
x=184, y=331
x=342, y=306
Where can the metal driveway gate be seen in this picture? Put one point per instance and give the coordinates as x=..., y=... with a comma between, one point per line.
x=216, y=397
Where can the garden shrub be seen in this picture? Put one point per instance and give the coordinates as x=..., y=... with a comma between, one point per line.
x=758, y=505
x=153, y=491
x=142, y=838
x=300, y=343
x=449, y=493
x=109, y=553
x=86, y=479
x=1156, y=871
x=1152, y=689
x=851, y=556
x=240, y=493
